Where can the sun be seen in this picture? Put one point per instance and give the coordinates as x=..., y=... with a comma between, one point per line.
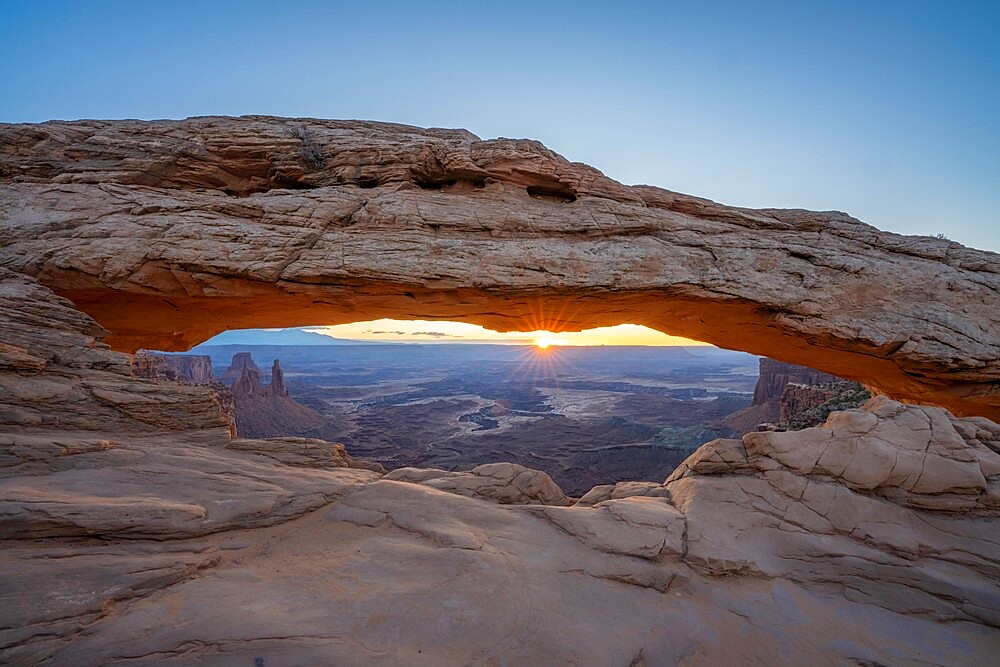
x=545, y=342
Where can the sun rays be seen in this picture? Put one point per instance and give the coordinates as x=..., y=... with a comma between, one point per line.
x=547, y=340
x=541, y=324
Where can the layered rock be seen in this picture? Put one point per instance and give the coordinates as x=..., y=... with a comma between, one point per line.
x=190, y=368
x=305, y=452
x=58, y=376
x=221, y=223
x=918, y=456
x=89, y=450
x=773, y=378
x=603, y=492
x=187, y=368
x=804, y=405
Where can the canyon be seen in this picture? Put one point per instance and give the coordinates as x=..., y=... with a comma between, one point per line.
x=138, y=529
x=584, y=416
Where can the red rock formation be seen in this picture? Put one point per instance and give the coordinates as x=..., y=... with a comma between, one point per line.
x=240, y=361
x=803, y=406
x=277, y=386
x=215, y=223
x=774, y=377
x=147, y=365
x=798, y=398
x=267, y=412
x=122, y=503
x=61, y=376
x=248, y=385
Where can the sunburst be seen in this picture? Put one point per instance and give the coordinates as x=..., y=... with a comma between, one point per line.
x=544, y=342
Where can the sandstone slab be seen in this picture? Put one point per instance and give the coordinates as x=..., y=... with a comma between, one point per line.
x=506, y=483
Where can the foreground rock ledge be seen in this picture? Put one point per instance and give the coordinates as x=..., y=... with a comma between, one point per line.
x=135, y=530
x=214, y=223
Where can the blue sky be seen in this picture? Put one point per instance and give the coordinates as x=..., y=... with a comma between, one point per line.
x=885, y=110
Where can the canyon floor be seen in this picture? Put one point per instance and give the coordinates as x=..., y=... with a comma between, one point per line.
x=585, y=416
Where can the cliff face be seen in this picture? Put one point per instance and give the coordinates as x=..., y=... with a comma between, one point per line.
x=190, y=368
x=776, y=375
x=774, y=380
x=803, y=406
x=214, y=223
x=186, y=368
x=798, y=398
x=59, y=376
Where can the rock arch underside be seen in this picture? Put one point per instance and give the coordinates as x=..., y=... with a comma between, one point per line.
x=125, y=501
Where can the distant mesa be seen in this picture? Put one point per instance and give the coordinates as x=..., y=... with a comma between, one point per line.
x=250, y=337
x=241, y=361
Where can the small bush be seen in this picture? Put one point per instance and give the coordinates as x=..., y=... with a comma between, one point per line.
x=311, y=151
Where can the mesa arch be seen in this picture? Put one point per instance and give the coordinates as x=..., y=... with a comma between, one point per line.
x=168, y=232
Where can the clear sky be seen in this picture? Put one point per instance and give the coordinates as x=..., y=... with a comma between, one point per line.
x=886, y=110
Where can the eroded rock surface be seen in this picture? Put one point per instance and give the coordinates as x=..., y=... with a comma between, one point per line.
x=89, y=450
x=505, y=483
x=58, y=375
x=136, y=530
x=731, y=565
x=307, y=452
x=215, y=223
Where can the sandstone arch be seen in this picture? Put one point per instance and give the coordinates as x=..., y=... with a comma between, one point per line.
x=168, y=232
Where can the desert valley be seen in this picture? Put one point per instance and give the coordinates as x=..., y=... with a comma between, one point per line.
x=586, y=416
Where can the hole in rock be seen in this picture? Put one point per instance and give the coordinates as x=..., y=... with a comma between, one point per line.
x=619, y=403
x=367, y=182
x=452, y=184
x=552, y=193
x=291, y=184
